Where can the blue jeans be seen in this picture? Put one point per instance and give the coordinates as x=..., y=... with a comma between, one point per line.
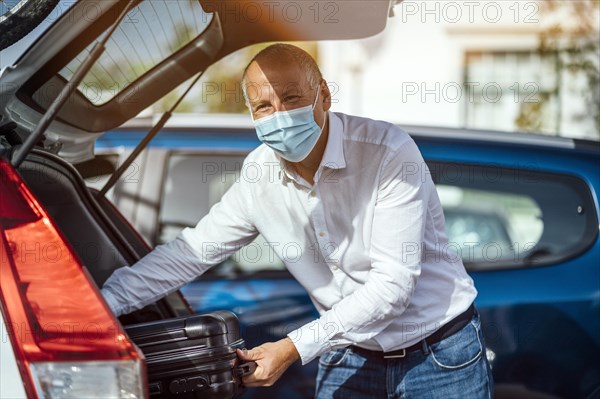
x=455, y=367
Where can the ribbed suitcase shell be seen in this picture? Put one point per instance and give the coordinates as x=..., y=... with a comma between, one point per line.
x=192, y=356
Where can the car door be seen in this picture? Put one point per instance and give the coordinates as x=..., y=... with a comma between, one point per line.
x=522, y=212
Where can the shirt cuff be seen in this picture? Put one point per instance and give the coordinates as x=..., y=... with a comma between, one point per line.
x=311, y=341
x=111, y=301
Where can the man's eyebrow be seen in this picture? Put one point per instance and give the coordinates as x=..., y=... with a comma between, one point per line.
x=298, y=91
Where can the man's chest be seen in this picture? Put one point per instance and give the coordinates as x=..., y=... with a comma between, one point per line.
x=326, y=223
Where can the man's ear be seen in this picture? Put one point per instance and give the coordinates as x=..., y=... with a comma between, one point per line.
x=326, y=95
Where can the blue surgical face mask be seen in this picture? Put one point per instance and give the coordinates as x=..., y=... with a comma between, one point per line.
x=292, y=134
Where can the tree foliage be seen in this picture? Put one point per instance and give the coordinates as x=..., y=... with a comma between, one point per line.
x=572, y=34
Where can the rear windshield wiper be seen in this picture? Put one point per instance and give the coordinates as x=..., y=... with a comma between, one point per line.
x=67, y=90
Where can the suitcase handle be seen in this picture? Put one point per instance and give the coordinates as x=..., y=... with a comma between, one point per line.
x=245, y=369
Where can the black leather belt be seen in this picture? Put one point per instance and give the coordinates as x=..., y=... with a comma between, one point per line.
x=452, y=327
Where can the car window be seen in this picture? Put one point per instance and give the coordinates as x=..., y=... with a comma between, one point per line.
x=506, y=218
x=485, y=225
x=193, y=184
x=150, y=33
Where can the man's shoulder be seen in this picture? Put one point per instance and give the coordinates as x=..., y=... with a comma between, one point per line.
x=261, y=165
x=372, y=131
x=261, y=154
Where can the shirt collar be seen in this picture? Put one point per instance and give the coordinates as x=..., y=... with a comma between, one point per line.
x=333, y=157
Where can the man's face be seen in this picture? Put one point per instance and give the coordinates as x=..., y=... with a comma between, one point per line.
x=275, y=85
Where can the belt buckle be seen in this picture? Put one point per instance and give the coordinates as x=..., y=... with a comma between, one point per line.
x=400, y=355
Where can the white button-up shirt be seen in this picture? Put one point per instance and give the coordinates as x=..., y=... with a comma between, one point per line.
x=366, y=240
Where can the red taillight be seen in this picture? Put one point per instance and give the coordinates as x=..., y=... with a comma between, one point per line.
x=52, y=310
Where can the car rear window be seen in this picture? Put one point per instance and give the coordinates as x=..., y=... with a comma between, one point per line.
x=150, y=33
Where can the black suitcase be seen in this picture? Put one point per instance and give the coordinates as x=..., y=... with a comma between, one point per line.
x=192, y=356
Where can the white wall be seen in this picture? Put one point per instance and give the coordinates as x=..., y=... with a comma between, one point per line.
x=412, y=73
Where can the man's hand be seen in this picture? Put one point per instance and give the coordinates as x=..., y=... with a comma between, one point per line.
x=272, y=359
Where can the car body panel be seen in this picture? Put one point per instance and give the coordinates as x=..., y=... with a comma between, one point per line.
x=246, y=22
x=9, y=366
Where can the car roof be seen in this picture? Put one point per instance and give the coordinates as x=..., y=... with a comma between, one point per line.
x=238, y=122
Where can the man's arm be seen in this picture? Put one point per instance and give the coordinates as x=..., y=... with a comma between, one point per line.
x=227, y=227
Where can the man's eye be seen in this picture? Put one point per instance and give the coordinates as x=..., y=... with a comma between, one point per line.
x=261, y=110
x=291, y=99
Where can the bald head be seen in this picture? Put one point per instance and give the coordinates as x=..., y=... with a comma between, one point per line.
x=285, y=54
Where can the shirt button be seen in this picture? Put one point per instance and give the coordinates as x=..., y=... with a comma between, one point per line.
x=313, y=194
x=322, y=233
x=334, y=267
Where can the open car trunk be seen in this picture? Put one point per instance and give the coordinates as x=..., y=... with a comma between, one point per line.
x=186, y=355
x=141, y=64
x=101, y=237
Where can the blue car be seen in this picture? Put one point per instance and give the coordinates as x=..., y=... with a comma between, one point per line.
x=521, y=210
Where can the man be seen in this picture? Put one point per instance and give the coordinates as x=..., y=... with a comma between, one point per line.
x=356, y=196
